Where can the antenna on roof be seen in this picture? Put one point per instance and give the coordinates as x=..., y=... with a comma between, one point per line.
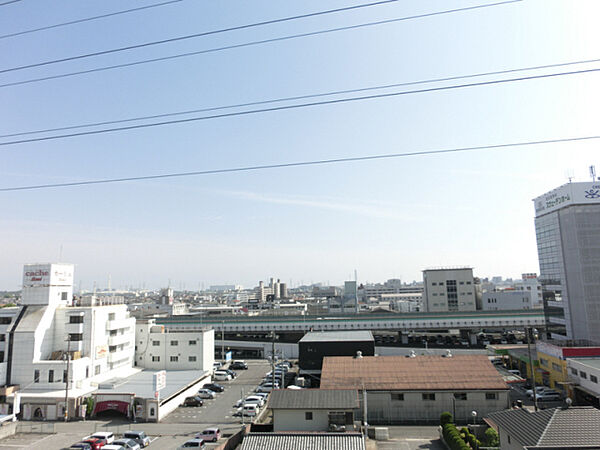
x=593, y=172
x=570, y=175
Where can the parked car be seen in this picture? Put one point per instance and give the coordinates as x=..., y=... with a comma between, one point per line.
x=129, y=444
x=206, y=393
x=217, y=365
x=210, y=434
x=250, y=410
x=515, y=372
x=193, y=401
x=192, y=443
x=231, y=372
x=214, y=387
x=113, y=447
x=538, y=390
x=221, y=375
x=81, y=446
x=264, y=395
x=251, y=399
x=95, y=443
x=238, y=365
x=138, y=436
x=108, y=436
x=548, y=396
x=266, y=387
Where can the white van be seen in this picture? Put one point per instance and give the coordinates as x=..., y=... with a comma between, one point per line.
x=109, y=436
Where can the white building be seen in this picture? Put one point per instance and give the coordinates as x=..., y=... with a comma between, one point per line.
x=449, y=289
x=584, y=373
x=161, y=349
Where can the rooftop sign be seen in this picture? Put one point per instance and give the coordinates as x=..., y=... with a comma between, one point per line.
x=566, y=195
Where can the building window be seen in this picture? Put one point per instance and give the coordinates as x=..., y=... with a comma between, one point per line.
x=111, y=316
x=397, y=397
x=556, y=367
x=174, y=343
x=5, y=320
x=2, y=356
x=460, y=395
x=64, y=376
x=544, y=362
x=64, y=295
x=308, y=415
x=192, y=343
x=97, y=370
x=491, y=396
x=174, y=358
x=155, y=343
x=2, y=337
x=75, y=319
x=191, y=358
x=583, y=374
x=87, y=371
x=574, y=371
x=36, y=376
x=593, y=378
x=156, y=359
x=75, y=336
x=428, y=397
x=51, y=376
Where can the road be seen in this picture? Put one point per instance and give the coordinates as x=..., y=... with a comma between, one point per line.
x=179, y=426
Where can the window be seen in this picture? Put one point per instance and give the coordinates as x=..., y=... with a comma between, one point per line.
x=112, y=348
x=111, y=316
x=460, y=395
x=2, y=337
x=429, y=397
x=573, y=371
x=434, y=284
x=36, y=376
x=191, y=358
x=155, y=343
x=2, y=356
x=556, y=367
x=64, y=376
x=544, y=362
x=155, y=358
x=397, y=397
x=308, y=415
x=5, y=320
x=75, y=319
x=87, y=371
x=97, y=370
x=491, y=396
x=64, y=295
x=75, y=336
x=583, y=374
x=192, y=342
x=51, y=376
x=174, y=358
x=174, y=343
x=593, y=378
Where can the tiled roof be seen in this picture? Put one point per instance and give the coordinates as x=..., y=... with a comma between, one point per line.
x=460, y=372
x=327, y=336
x=313, y=399
x=304, y=441
x=575, y=427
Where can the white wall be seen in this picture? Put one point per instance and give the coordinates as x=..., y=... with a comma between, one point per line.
x=295, y=420
x=435, y=295
x=586, y=382
x=514, y=299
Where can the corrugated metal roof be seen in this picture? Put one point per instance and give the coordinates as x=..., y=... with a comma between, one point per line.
x=304, y=441
x=313, y=399
x=461, y=372
x=326, y=336
x=574, y=427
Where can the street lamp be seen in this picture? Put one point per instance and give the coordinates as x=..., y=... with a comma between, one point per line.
x=474, y=414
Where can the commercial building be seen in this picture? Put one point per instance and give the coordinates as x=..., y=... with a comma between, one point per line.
x=584, y=374
x=159, y=348
x=418, y=389
x=313, y=409
x=449, y=289
x=525, y=294
x=567, y=227
x=559, y=428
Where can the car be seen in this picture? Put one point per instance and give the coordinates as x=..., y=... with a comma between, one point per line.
x=214, y=387
x=267, y=387
x=515, y=372
x=538, y=390
x=210, y=434
x=193, y=401
x=206, y=393
x=108, y=436
x=264, y=395
x=250, y=410
x=238, y=365
x=221, y=375
x=217, y=365
x=231, y=372
x=95, y=443
x=250, y=400
x=193, y=443
x=113, y=447
x=81, y=446
x=548, y=396
x=129, y=444
x=138, y=436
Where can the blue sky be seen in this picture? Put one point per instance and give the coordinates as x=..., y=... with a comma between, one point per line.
x=390, y=218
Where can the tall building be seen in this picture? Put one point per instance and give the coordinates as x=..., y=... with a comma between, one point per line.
x=567, y=228
x=449, y=289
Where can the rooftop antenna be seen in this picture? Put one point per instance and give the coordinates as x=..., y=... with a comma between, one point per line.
x=593, y=172
x=569, y=174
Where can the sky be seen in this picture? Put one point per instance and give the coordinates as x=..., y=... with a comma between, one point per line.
x=385, y=219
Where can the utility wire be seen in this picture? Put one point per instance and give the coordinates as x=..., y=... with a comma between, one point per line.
x=87, y=19
x=9, y=2
x=296, y=106
x=196, y=35
x=298, y=97
x=233, y=46
x=300, y=163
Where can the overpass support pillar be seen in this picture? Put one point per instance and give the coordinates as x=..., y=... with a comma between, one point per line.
x=403, y=338
x=473, y=338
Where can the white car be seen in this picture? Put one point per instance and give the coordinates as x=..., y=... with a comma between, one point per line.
x=108, y=436
x=193, y=443
x=206, y=393
x=538, y=390
x=251, y=400
x=267, y=387
x=221, y=375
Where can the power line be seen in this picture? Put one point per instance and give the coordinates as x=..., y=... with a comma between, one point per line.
x=87, y=19
x=300, y=163
x=9, y=2
x=233, y=46
x=196, y=35
x=298, y=97
x=296, y=106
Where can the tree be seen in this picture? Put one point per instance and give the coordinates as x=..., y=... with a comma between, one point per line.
x=445, y=418
x=491, y=438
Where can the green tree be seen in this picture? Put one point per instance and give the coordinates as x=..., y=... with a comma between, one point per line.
x=491, y=438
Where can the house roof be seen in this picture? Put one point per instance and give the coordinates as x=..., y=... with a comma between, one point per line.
x=313, y=399
x=328, y=336
x=460, y=372
x=575, y=427
x=294, y=441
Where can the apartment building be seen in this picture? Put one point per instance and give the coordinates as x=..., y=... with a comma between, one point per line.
x=449, y=289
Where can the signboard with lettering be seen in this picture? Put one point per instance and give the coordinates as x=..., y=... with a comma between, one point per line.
x=101, y=351
x=568, y=194
x=159, y=380
x=36, y=275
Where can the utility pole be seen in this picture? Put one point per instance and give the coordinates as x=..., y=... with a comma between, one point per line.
x=273, y=360
x=68, y=360
x=529, y=330
x=223, y=341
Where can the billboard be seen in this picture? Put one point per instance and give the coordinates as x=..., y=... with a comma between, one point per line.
x=38, y=275
x=101, y=351
x=159, y=380
x=567, y=194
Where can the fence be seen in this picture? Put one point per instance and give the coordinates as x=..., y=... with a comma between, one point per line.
x=36, y=427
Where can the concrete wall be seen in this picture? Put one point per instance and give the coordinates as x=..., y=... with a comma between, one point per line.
x=168, y=407
x=295, y=420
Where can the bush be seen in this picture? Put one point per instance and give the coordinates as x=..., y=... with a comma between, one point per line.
x=452, y=437
x=445, y=418
x=491, y=438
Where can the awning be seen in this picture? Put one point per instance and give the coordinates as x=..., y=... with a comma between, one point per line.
x=112, y=405
x=587, y=391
